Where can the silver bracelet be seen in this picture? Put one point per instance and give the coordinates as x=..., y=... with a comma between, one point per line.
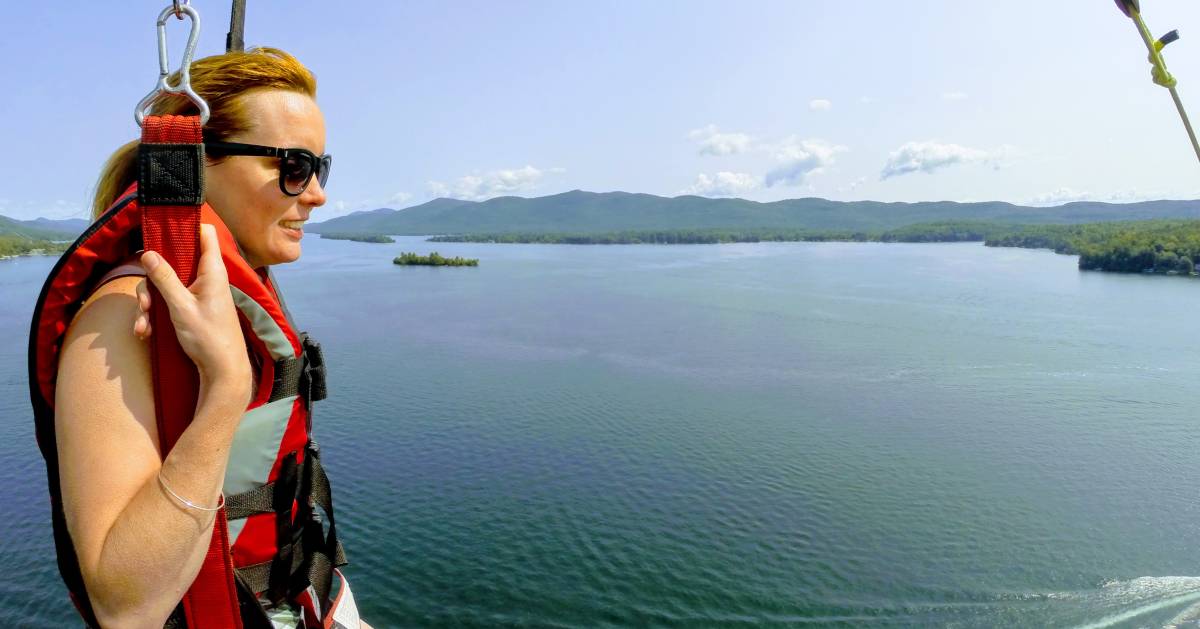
x=185, y=501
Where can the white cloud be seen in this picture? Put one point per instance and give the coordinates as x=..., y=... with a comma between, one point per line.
x=479, y=187
x=800, y=158
x=1064, y=194
x=866, y=100
x=819, y=104
x=1058, y=196
x=723, y=184
x=399, y=198
x=954, y=95
x=853, y=185
x=713, y=142
x=930, y=155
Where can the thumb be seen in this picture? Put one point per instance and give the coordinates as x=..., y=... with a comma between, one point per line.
x=165, y=280
x=211, y=263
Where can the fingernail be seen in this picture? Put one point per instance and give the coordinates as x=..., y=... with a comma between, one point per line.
x=151, y=260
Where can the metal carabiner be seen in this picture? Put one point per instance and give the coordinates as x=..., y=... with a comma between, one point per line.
x=185, y=80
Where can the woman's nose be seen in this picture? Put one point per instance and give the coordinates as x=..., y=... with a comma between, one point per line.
x=314, y=194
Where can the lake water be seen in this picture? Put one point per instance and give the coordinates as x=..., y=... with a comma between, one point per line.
x=725, y=435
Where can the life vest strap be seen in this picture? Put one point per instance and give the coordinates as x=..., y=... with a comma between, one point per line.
x=303, y=376
x=170, y=192
x=306, y=554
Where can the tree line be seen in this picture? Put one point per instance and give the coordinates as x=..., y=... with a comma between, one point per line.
x=1148, y=246
x=942, y=231
x=359, y=237
x=433, y=259
x=14, y=245
x=1153, y=246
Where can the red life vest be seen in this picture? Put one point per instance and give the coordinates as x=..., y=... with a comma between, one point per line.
x=279, y=550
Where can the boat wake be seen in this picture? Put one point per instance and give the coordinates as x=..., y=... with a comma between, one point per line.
x=1127, y=601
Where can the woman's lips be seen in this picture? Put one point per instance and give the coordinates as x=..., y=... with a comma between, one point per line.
x=294, y=228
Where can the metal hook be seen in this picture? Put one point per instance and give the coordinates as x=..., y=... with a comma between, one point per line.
x=178, y=11
x=185, y=80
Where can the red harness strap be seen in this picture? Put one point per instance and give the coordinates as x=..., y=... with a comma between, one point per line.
x=170, y=192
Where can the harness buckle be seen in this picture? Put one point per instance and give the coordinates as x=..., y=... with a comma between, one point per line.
x=185, y=78
x=312, y=376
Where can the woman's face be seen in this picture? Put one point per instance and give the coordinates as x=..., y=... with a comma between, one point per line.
x=244, y=190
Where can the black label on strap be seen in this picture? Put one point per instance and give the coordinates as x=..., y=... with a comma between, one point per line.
x=170, y=174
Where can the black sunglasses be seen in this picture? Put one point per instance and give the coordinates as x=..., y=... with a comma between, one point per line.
x=296, y=166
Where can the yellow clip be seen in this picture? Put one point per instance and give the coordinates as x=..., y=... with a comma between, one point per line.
x=1158, y=73
x=1160, y=76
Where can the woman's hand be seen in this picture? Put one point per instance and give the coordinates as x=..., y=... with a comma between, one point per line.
x=203, y=314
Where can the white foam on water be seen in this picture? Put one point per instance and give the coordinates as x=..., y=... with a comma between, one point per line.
x=1190, y=616
x=1145, y=595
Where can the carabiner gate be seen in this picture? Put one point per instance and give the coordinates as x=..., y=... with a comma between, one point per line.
x=185, y=81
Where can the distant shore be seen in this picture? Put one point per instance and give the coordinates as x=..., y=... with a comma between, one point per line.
x=359, y=237
x=12, y=246
x=1158, y=246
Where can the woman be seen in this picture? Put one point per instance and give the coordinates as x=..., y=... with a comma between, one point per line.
x=141, y=524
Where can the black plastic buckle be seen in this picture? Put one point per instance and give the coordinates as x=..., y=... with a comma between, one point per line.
x=312, y=377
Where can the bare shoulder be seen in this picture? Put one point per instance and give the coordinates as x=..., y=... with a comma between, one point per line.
x=100, y=345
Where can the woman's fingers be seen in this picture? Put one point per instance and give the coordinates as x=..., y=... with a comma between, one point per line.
x=210, y=264
x=165, y=279
x=141, y=322
x=141, y=327
x=143, y=296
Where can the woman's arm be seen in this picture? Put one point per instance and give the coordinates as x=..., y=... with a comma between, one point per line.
x=139, y=549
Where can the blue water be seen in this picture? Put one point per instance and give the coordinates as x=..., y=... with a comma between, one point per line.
x=725, y=435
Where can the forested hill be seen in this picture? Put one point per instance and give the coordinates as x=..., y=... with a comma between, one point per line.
x=42, y=229
x=591, y=212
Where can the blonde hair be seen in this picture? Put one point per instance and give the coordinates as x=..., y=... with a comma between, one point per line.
x=222, y=81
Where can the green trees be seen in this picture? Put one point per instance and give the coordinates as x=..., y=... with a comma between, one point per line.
x=18, y=245
x=380, y=238
x=433, y=259
x=1156, y=246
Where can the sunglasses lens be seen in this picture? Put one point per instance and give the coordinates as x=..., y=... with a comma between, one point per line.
x=295, y=172
x=323, y=171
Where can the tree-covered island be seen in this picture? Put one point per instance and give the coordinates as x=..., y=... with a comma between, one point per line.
x=433, y=259
x=359, y=237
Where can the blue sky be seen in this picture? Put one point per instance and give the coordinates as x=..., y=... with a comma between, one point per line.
x=883, y=100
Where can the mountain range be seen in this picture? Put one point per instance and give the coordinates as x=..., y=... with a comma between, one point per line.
x=578, y=211
x=583, y=212
x=43, y=228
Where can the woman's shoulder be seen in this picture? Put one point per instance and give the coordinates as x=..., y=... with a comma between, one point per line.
x=104, y=325
x=111, y=298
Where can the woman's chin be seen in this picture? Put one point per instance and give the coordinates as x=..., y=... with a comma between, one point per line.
x=277, y=255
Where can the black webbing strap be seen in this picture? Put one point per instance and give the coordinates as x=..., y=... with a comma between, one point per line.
x=307, y=554
x=287, y=378
x=303, y=376
x=314, y=370
x=248, y=503
x=287, y=529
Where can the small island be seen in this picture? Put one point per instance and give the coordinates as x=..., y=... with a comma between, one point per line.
x=433, y=259
x=359, y=237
